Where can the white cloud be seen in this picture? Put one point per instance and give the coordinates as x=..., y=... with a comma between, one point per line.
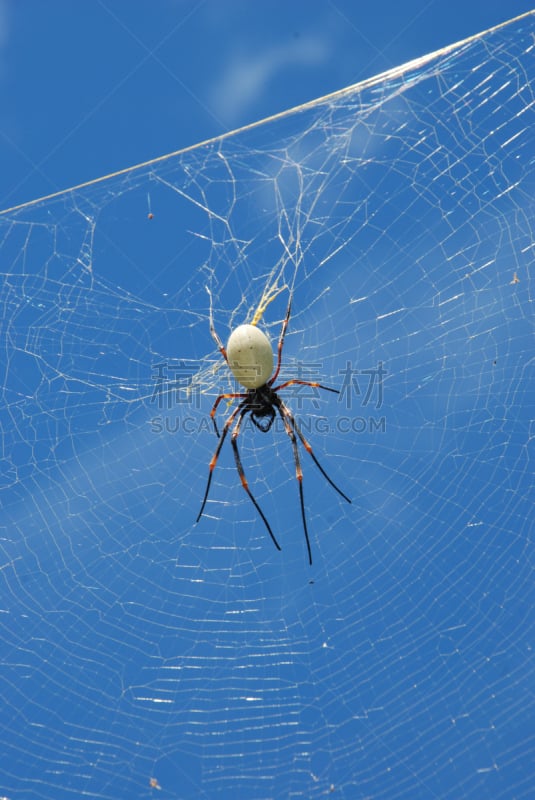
x=248, y=76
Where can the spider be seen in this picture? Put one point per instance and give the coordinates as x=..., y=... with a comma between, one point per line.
x=250, y=359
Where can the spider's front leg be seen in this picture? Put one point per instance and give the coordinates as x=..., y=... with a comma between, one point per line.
x=213, y=462
x=295, y=381
x=308, y=447
x=218, y=400
x=283, y=411
x=213, y=331
x=233, y=440
x=281, y=342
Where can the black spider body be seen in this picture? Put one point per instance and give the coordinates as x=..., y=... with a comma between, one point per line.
x=262, y=403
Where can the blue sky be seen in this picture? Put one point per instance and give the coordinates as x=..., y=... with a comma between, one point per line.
x=88, y=87
x=144, y=655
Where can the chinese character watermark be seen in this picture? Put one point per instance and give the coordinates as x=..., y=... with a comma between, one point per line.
x=351, y=386
x=173, y=385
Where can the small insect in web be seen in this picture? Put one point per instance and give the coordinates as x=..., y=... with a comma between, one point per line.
x=249, y=356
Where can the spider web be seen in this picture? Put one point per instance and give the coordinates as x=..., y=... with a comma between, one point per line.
x=137, y=645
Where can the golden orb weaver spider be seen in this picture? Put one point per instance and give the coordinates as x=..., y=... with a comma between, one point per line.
x=250, y=359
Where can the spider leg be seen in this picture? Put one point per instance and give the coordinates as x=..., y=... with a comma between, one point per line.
x=239, y=467
x=213, y=462
x=284, y=413
x=308, y=448
x=213, y=331
x=281, y=342
x=218, y=400
x=304, y=383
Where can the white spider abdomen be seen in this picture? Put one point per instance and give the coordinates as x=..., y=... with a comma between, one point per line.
x=250, y=356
